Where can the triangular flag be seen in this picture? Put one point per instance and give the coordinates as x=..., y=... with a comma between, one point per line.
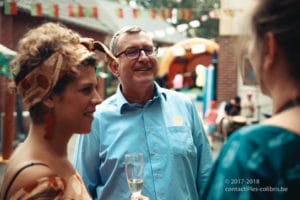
x=73, y=10
x=91, y=12
x=120, y=13
x=182, y=14
x=186, y=14
x=36, y=10
x=135, y=13
x=170, y=10
x=163, y=13
x=88, y=12
x=10, y=8
x=95, y=12
x=190, y=14
x=153, y=13
x=80, y=11
x=54, y=10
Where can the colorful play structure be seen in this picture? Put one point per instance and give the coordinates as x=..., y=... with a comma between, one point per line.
x=184, y=56
x=196, y=60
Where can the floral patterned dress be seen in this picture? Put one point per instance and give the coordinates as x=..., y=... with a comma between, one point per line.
x=53, y=187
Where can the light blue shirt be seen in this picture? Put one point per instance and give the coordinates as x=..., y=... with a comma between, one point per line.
x=167, y=130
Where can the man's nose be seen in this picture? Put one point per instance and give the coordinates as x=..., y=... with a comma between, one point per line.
x=143, y=54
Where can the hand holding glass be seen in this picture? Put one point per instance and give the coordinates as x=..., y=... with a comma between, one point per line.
x=134, y=166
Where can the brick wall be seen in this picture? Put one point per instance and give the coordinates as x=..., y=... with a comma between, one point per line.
x=6, y=39
x=227, y=83
x=13, y=27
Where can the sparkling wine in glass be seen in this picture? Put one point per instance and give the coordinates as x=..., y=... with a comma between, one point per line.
x=134, y=167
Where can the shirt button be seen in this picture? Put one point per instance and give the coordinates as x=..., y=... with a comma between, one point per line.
x=152, y=153
x=157, y=175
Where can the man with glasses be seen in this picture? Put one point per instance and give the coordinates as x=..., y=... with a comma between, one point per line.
x=143, y=117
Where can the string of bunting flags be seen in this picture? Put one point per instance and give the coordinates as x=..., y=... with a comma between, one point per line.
x=38, y=10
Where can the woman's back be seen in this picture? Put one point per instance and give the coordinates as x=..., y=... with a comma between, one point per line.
x=257, y=162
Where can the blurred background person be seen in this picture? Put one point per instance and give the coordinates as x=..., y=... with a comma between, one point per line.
x=178, y=82
x=210, y=118
x=232, y=118
x=248, y=106
x=233, y=107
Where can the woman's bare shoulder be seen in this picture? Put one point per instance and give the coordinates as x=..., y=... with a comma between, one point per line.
x=288, y=120
x=20, y=175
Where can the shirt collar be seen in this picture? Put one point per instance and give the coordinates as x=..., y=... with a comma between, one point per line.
x=124, y=105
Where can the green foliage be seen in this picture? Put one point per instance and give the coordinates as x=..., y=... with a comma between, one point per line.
x=208, y=29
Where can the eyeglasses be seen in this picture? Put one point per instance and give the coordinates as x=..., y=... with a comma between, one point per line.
x=133, y=53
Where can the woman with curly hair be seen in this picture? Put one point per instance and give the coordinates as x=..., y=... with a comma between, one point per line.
x=55, y=73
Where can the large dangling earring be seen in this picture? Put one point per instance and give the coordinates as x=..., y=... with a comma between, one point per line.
x=49, y=125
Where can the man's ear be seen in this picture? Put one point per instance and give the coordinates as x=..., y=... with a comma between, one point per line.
x=270, y=51
x=114, y=67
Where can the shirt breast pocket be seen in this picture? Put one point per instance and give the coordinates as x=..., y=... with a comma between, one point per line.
x=181, y=140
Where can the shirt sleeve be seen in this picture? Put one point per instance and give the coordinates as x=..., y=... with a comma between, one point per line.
x=86, y=160
x=205, y=159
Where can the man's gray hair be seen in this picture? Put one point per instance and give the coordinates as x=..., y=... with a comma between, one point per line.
x=125, y=30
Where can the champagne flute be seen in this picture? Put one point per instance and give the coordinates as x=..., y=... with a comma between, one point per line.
x=134, y=168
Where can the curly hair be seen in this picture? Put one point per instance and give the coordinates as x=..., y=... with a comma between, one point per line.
x=39, y=44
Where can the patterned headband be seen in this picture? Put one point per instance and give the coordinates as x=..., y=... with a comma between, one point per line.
x=37, y=84
x=97, y=45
